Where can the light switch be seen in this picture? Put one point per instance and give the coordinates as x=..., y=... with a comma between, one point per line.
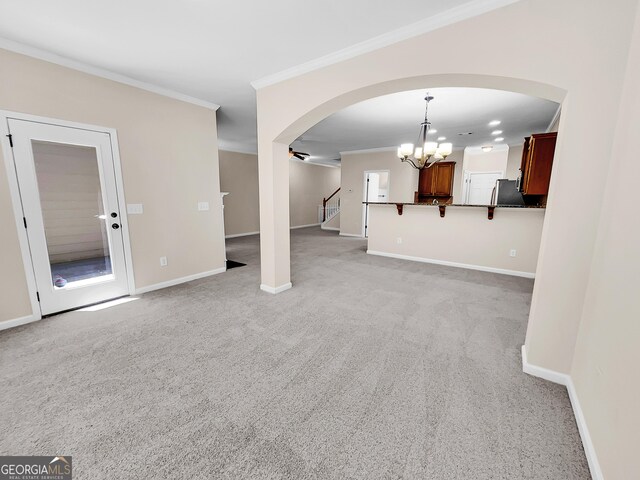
x=203, y=206
x=135, y=209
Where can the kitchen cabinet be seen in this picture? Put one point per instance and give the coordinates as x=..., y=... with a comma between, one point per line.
x=537, y=161
x=436, y=182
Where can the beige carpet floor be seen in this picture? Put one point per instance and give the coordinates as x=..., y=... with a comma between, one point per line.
x=369, y=368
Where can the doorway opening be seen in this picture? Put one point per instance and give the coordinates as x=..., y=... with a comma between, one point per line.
x=376, y=189
x=479, y=187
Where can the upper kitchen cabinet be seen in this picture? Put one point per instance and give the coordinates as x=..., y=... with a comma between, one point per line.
x=436, y=182
x=537, y=160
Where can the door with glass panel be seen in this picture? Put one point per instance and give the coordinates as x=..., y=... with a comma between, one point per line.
x=70, y=204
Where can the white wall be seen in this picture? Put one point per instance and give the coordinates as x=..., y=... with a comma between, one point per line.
x=607, y=353
x=403, y=182
x=475, y=160
x=169, y=155
x=239, y=177
x=464, y=236
x=514, y=160
x=308, y=184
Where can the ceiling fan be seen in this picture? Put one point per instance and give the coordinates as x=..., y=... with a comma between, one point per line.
x=300, y=155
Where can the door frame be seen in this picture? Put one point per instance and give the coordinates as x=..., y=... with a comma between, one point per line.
x=16, y=201
x=466, y=180
x=364, y=195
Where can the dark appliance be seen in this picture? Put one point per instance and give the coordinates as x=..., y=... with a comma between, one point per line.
x=506, y=193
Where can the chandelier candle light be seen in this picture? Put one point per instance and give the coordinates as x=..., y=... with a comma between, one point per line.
x=424, y=151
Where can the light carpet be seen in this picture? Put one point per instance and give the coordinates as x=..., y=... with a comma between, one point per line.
x=369, y=368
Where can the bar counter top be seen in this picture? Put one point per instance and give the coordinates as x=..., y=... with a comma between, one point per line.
x=452, y=205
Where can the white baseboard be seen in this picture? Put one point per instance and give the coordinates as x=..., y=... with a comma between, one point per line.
x=235, y=235
x=544, y=373
x=564, y=379
x=16, y=322
x=177, y=281
x=281, y=288
x=350, y=235
x=242, y=234
x=333, y=229
x=446, y=263
x=587, y=442
x=305, y=226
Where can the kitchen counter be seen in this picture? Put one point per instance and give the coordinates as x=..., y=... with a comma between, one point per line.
x=452, y=205
x=443, y=206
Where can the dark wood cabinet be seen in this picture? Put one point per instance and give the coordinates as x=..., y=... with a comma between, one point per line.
x=443, y=179
x=537, y=161
x=436, y=182
x=425, y=181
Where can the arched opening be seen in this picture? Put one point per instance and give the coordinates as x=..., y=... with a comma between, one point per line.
x=323, y=110
x=275, y=243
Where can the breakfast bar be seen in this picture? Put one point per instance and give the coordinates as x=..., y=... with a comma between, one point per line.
x=494, y=238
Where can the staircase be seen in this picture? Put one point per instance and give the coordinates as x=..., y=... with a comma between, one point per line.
x=329, y=210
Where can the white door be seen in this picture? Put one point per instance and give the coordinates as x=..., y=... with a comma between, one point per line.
x=480, y=187
x=72, y=217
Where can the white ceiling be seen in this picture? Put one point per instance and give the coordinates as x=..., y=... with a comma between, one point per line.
x=394, y=119
x=212, y=49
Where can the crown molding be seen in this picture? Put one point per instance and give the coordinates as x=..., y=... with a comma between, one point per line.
x=314, y=163
x=292, y=159
x=100, y=72
x=499, y=147
x=442, y=19
x=370, y=150
x=248, y=151
x=554, y=119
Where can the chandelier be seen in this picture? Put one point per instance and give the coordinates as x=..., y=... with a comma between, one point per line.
x=424, y=151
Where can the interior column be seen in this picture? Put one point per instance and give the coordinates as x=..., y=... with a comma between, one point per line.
x=273, y=169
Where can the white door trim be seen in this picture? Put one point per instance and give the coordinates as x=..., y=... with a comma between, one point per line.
x=16, y=201
x=364, y=193
x=466, y=175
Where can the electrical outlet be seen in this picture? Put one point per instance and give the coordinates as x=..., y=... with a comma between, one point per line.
x=399, y=240
x=163, y=261
x=512, y=252
x=203, y=206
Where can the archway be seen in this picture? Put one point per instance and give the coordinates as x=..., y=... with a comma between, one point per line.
x=274, y=200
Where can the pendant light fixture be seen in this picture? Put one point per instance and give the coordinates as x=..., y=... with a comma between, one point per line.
x=420, y=156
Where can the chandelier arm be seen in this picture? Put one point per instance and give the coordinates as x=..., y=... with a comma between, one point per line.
x=434, y=162
x=407, y=159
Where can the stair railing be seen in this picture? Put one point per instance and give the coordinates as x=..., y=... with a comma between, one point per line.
x=330, y=208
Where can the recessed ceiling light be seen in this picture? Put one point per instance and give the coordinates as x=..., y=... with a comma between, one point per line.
x=496, y=132
x=487, y=148
x=440, y=139
x=498, y=139
x=432, y=131
x=494, y=123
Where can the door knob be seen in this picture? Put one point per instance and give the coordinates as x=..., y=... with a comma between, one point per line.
x=115, y=226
